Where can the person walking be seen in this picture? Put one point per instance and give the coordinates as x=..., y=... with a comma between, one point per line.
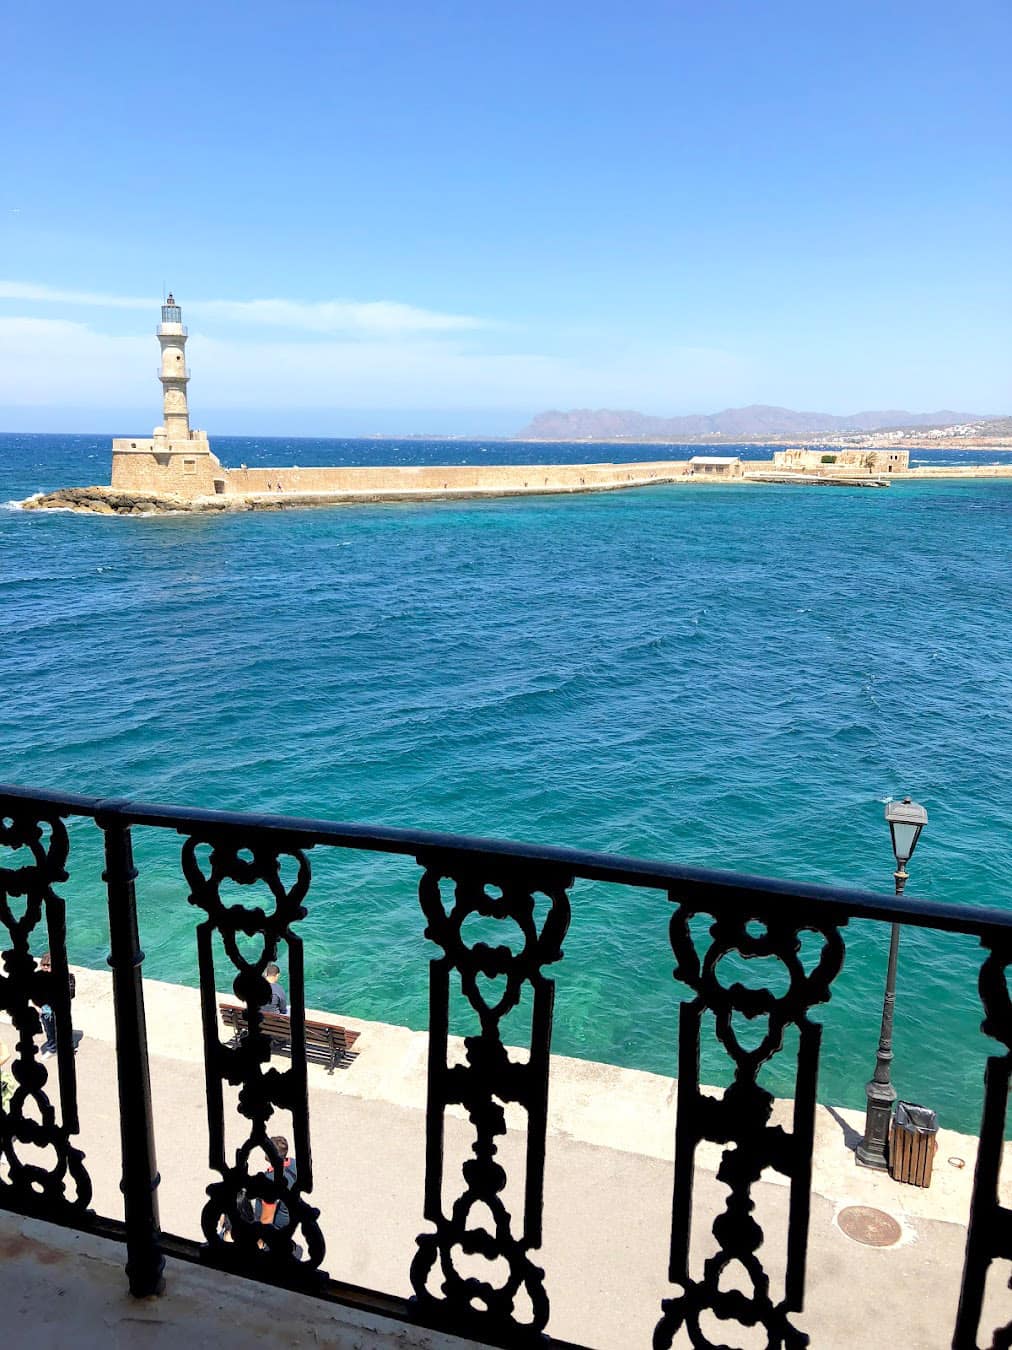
x=6, y=1081
x=275, y=1212
x=45, y=1010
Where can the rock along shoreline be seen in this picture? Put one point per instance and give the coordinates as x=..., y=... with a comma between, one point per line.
x=105, y=501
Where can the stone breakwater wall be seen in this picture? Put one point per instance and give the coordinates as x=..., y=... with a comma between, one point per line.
x=452, y=478
x=246, y=489
x=141, y=485
x=191, y=470
x=961, y=471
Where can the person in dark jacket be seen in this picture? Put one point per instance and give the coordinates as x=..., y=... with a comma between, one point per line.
x=46, y=1012
x=276, y=1212
x=272, y=1212
x=277, y=1003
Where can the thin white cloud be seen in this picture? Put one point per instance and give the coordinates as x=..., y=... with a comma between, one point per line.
x=53, y=361
x=375, y=318
x=63, y=362
x=26, y=290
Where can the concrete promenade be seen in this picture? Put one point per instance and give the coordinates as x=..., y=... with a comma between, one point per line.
x=607, y=1200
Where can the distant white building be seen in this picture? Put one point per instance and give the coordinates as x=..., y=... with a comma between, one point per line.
x=715, y=466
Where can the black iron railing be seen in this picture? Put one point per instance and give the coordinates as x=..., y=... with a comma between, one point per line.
x=461, y=877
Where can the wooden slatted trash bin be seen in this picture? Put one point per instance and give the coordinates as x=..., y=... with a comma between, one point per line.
x=913, y=1142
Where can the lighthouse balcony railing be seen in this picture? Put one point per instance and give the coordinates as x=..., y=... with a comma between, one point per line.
x=177, y=329
x=166, y=374
x=246, y=891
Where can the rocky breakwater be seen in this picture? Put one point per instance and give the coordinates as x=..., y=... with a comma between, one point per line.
x=105, y=501
x=283, y=489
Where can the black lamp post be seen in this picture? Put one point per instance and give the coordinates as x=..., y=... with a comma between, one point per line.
x=906, y=820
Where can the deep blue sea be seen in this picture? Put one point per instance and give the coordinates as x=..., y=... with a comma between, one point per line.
x=731, y=676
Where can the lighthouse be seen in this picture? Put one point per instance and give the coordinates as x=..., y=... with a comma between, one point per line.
x=176, y=460
x=174, y=375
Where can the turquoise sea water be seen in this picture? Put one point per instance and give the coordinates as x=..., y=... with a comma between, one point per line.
x=729, y=676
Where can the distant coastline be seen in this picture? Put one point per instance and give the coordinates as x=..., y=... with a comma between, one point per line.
x=761, y=423
x=970, y=445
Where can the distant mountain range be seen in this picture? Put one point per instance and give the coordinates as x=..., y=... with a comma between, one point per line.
x=751, y=423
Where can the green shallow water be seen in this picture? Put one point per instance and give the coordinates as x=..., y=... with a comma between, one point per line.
x=730, y=676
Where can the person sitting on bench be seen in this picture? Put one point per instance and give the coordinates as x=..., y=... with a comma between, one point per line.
x=277, y=1003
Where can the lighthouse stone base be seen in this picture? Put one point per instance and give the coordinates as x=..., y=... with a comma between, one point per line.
x=185, y=468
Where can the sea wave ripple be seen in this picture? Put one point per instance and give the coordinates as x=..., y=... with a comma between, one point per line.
x=724, y=676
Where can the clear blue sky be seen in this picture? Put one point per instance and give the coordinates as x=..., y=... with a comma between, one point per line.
x=466, y=212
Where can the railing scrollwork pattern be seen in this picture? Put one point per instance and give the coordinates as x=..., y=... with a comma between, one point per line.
x=990, y=1236
x=740, y=1118
x=479, y=1232
x=233, y=1237
x=41, y=1170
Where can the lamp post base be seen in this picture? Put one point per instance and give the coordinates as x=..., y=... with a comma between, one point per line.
x=877, y=1161
x=873, y=1150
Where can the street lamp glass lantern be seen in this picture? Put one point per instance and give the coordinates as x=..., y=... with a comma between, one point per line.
x=906, y=820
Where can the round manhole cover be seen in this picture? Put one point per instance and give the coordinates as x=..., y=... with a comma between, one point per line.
x=873, y=1227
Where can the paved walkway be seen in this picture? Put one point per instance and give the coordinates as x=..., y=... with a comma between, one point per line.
x=607, y=1185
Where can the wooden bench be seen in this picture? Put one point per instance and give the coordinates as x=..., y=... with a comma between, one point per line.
x=326, y=1043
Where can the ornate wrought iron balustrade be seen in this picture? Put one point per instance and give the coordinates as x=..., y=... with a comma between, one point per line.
x=522, y=894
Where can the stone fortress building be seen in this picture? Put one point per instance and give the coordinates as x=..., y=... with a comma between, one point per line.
x=808, y=460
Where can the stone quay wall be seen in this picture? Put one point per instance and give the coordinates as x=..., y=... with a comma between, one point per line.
x=961, y=471
x=190, y=470
x=452, y=478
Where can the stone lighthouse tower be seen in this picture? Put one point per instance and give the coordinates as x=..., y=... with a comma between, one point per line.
x=176, y=460
x=174, y=375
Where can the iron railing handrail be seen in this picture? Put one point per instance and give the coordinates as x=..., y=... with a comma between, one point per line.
x=691, y=882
